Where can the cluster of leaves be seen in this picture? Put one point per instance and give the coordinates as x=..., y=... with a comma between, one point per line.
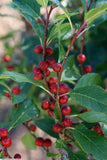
x=88, y=91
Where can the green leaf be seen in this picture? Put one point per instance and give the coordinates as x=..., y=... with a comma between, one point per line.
x=29, y=141
x=92, y=97
x=104, y=128
x=102, y=69
x=46, y=125
x=91, y=142
x=95, y=13
x=92, y=117
x=24, y=112
x=57, y=155
x=84, y=5
x=1, y=155
x=43, y=2
x=70, y=71
x=80, y=156
x=88, y=80
x=31, y=8
x=18, y=77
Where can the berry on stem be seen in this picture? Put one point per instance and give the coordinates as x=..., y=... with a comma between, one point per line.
x=6, y=58
x=53, y=88
x=49, y=51
x=88, y=68
x=32, y=127
x=6, y=142
x=48, y=72
x=47, y=142
x=63, y=88
x=66, y=110
x=38, y=49
x=36, y=69
x=57, y=127
x=81, y=58
x=50, y=61
x=67, y=122
x=10, y=68
x=52, y=105
x=70, y=146
x=17, y=156
x=43, y=65
x=45, y=104
x=98, y=130
x=50, y=113
x=16, y=90
x=52, y=80
x=57, y=67
x=38, y=76
x=63, y=99
x=39, y=141
x=3, y=132
x=7, y=95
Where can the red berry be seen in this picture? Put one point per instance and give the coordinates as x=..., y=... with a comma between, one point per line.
x=37, y=76
x=63, y=99
x=57, y=67
x=45, y=105
x=53, y=88
x=32, y=127
x=52, y=80
x=66, y=110
x=7, y=95
x=49, y=51
x=67, y=122
x=88, y=69
x=6, y=142
x=63, y=88
x=38, y=49
x=50, y=113
x=39, y=141
x=81, y=58
x=43, y=65
x=52, y=105
x=57, y=127
x=3, y=132
x=6, y=58
x=36, y=69
x=70, y=146
x=98, y=130
x=16, y=90
x=17, y=156
x=10, y=68
x=50, y=61
x=48, y=72
x=16, y=105
x=47, y=142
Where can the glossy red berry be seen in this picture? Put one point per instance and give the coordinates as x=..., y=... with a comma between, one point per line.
x=57, y=67
x=36, y=69
x=16, y=90
x=45, y=105
x=88, y=69
x=57, y=127
x=50, y=113
x=63, y=99
x=49, y=51
x=47, y=142
x=7, y=95
x=38, y=49
x=98, y=130
x=6, y=142
x=53, y=88
x=81, y=58
x=63, y=88
x=10, y=68
x=67, y=122
x=52, y=80
x=39, y=141
x=43, y=65
x=3, y=132
x=48, y=72
x=32, y=127
x=17, y=156
x=52, y=105
x=66, y=110
x=50, y=61
x=6, y=58
x=38, y=76
x=70, y=146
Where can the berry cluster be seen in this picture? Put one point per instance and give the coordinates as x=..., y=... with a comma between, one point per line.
x=81, y=58
x=40, y=142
